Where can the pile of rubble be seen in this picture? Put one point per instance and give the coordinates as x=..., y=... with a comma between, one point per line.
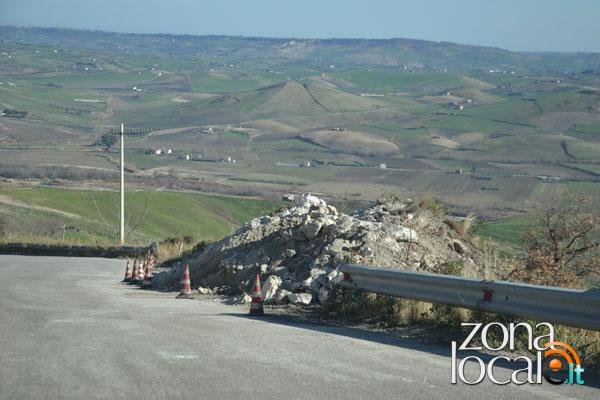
x=297, y=251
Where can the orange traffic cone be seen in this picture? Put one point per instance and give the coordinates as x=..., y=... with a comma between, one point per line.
x=136, y=272
x=141, y=273
x=148, y=273
x=186, y=284
x=256, y=307
x=128, y=272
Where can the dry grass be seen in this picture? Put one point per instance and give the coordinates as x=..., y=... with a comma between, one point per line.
x=175, y=249
x=429, y=202
x=462, y=227
x=469, y=222
x=49, y=240
x=178, y=249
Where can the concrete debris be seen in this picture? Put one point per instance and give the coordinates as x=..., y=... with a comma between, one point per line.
x=243, y=299
x=299, y=298
x=204, y=290
x=270, y=287
x=311, y=228
x=297, y=251
x=404, y=234
x=281, y=296
x=289, y=253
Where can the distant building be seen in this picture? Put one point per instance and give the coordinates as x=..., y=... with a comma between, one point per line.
x=382, y=166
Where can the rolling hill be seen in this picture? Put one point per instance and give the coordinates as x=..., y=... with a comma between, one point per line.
x=484, y=129
x=382, y=52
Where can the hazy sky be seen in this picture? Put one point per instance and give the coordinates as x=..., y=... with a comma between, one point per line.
x=551, y=25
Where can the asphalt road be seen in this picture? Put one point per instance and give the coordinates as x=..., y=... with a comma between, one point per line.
x=70, y=330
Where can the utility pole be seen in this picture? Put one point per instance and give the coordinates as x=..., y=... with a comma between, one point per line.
x=122, y=189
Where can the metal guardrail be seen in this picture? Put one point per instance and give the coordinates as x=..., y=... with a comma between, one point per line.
x=577, y=308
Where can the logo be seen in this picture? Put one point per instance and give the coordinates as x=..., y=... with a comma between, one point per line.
x=557, y=362
x=561, y=366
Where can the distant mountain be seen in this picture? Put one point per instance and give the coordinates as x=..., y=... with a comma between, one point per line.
x=403, y=53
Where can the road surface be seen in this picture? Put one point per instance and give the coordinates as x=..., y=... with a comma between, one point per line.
x=70, y=330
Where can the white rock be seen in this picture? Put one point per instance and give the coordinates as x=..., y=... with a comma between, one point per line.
x=288, y=197
x=404, y=234
x=306, y=283
x=300, y=211
x=328, y=222
x=336, y=247
x=344, y=224
x=243, y=299
x=289, y=253
x=335, y=276
x=270, y=287
x=204, y=290
x=281, y=295
x=308, y=200
x=316, y=272
x=311, y=228
x=300, y=298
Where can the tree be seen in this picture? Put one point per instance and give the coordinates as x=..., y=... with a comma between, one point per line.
x=108, y=140
x=133, y=220
x=562, y=241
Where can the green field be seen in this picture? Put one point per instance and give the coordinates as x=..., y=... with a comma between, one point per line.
x=92, y=215
x=419, y=83
x=505, y=232
x=228, y=84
